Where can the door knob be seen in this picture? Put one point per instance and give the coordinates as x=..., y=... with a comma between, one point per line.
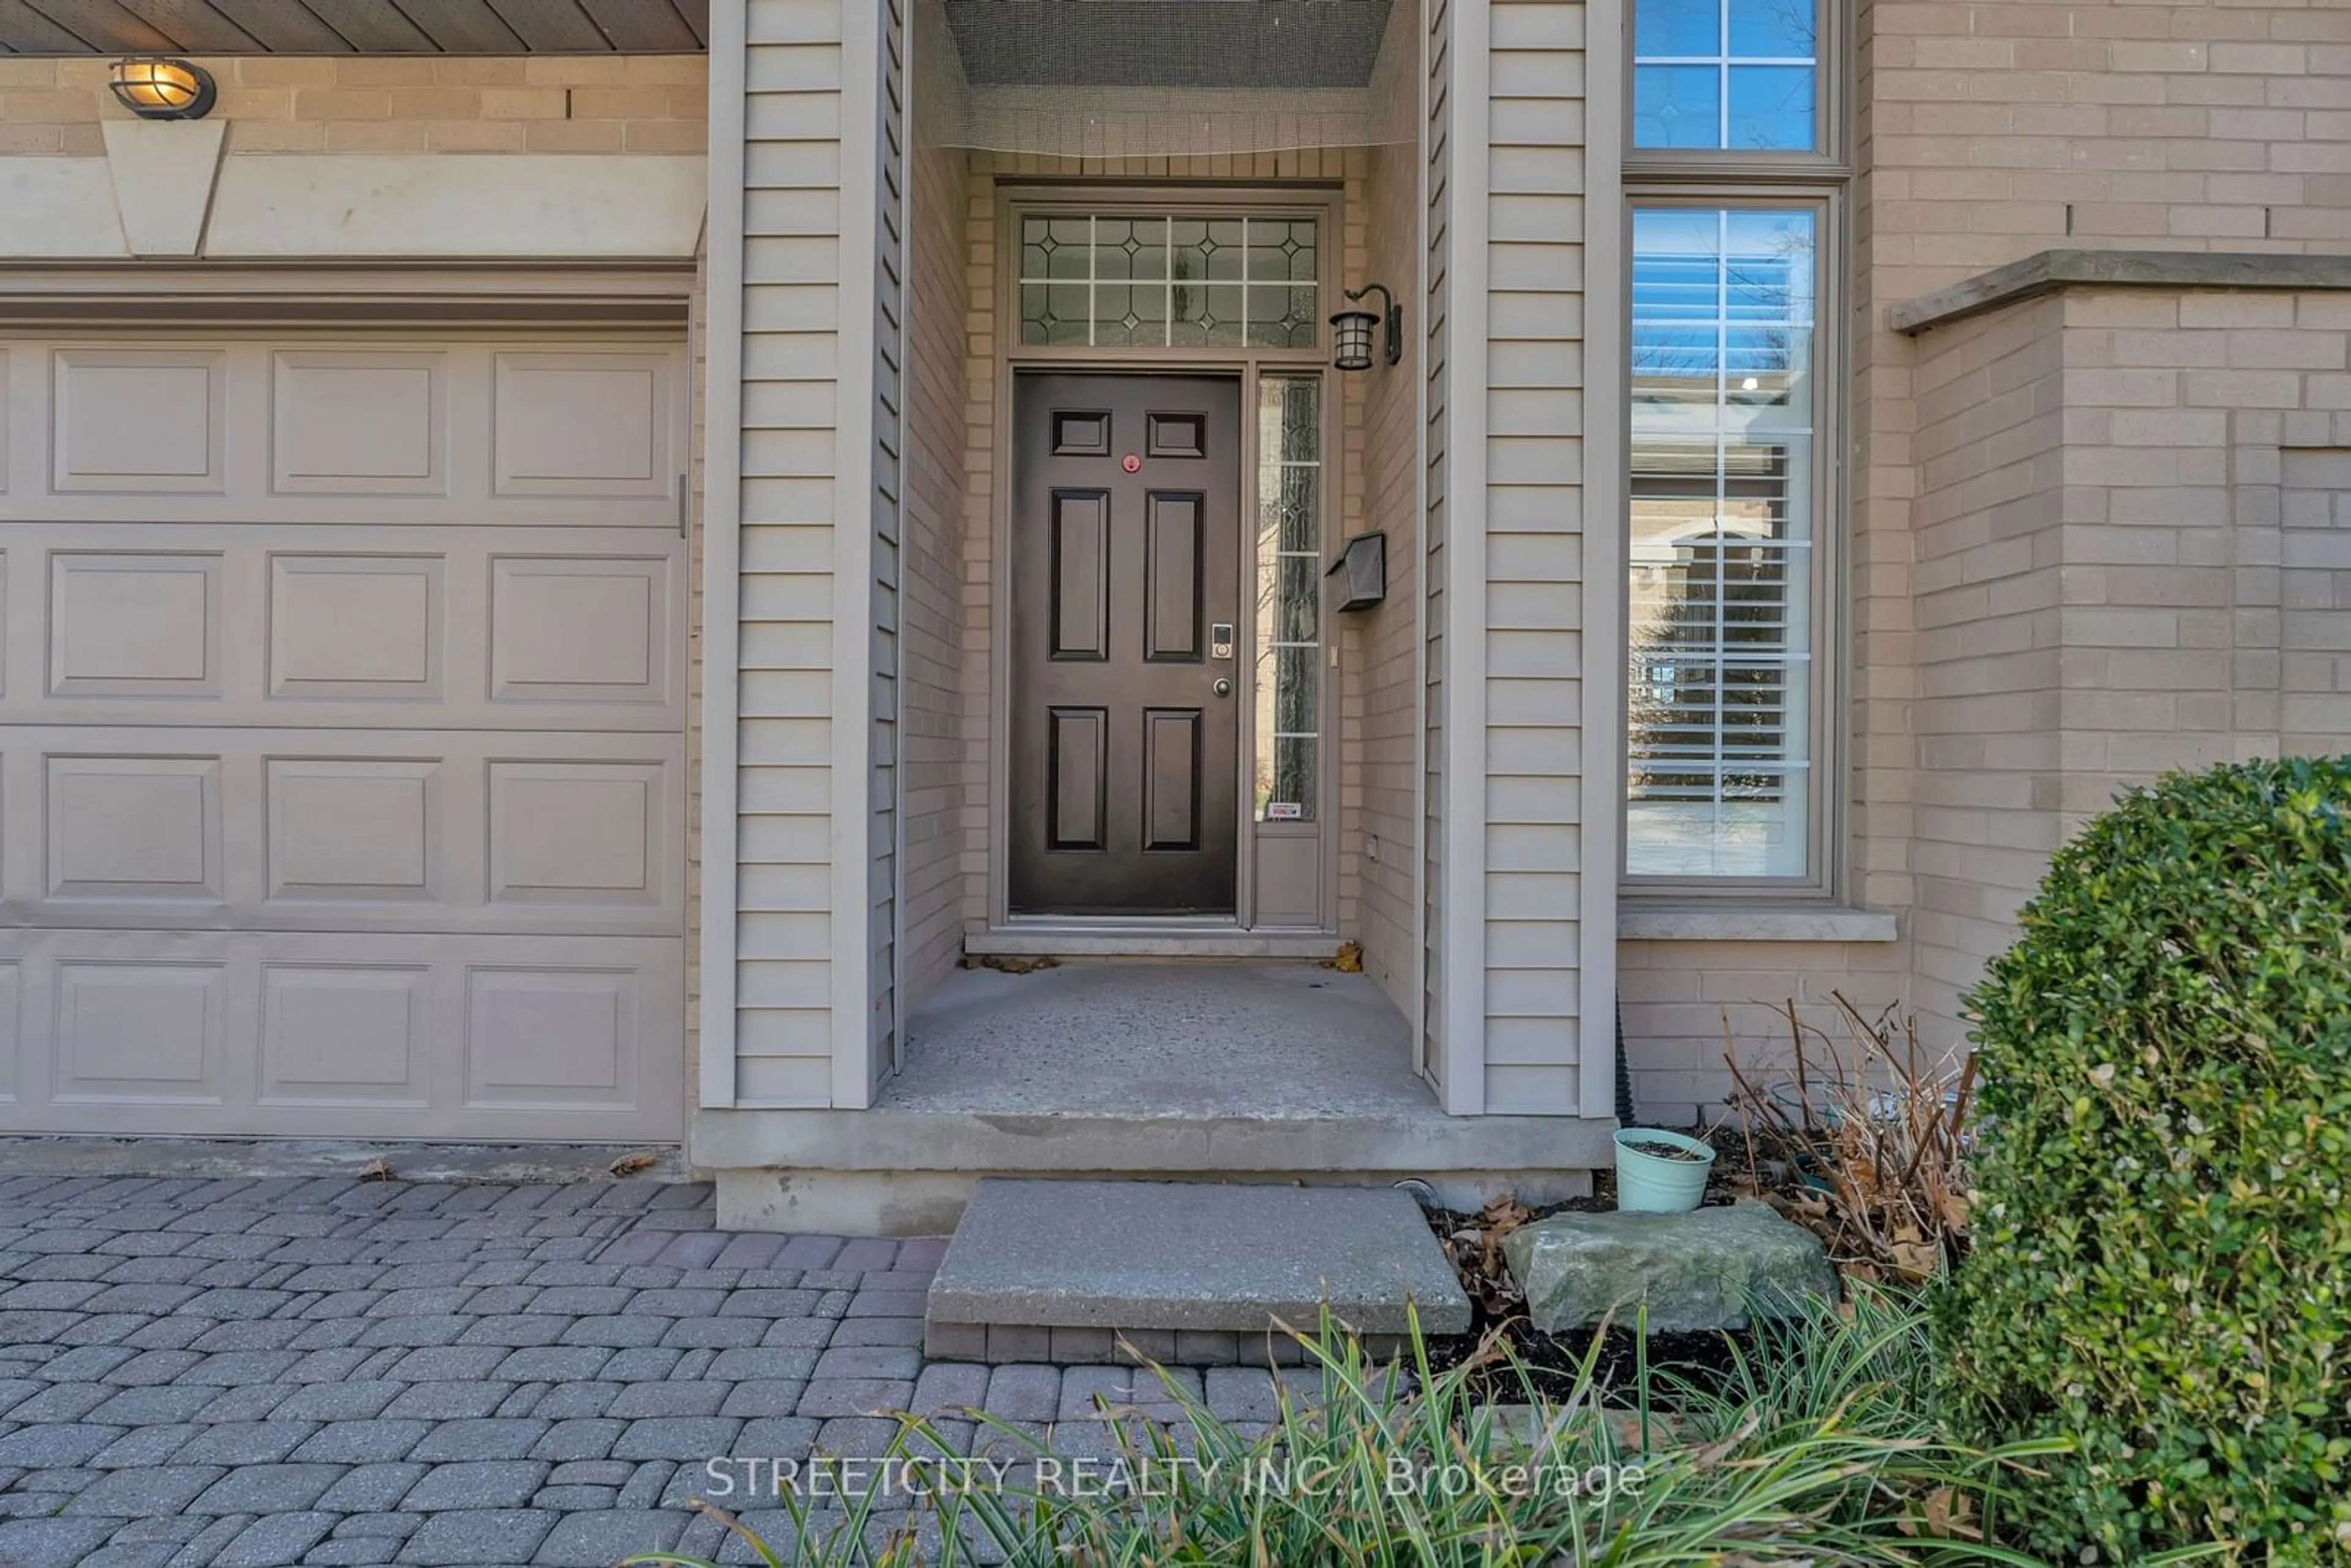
x=1224, y=687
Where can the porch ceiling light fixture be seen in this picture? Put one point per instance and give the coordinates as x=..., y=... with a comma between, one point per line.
x=155, y=87
x=1350, y=330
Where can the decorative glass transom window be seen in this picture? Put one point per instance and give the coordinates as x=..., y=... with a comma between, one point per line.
x=1719, y=713
x=1725, y=75
x=1108, y=281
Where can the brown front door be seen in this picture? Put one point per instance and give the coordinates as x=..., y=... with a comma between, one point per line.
x=1126, y=600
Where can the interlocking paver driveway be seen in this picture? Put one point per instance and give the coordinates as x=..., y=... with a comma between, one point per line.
x=244, y=1373
x=324, y=1371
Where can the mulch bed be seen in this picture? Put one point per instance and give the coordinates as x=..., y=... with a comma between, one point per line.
x=1552, y=1362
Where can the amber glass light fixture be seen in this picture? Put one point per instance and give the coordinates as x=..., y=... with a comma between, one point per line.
x=154, y=87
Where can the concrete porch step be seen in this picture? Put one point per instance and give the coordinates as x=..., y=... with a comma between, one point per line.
x=1188, y=1272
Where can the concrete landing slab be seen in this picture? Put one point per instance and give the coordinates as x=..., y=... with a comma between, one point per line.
x=1194, y=1040
x=1182, y=1258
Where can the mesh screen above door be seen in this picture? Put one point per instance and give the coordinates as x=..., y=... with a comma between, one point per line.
x=1164, y=78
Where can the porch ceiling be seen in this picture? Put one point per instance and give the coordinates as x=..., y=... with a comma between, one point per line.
x=1231, y=43
x=353, y=26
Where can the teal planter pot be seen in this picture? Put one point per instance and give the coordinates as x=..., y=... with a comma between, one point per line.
x=1660, y=1183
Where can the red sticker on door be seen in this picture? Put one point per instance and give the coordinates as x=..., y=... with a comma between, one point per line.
x=1131, y=463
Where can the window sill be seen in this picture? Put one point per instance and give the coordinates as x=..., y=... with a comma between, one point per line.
x=1754, y=923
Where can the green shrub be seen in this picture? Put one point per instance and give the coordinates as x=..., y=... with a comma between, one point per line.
x=2161, y=1266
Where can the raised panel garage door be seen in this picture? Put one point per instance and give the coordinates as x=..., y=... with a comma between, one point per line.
x=342, y=773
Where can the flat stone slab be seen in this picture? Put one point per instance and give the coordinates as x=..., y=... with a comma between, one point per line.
x=1198, y=1256
x=1703, y=1269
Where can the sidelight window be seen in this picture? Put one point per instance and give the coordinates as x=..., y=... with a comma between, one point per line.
x=1289, y=598
x=1113, y=281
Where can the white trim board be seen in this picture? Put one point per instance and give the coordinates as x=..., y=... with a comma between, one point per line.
x=1417, y=323
x=852, y=563
x=722, y=544
x=1604, y=549
x=1467, y=320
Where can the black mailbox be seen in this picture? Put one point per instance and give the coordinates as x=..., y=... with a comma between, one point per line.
x=1362, y=570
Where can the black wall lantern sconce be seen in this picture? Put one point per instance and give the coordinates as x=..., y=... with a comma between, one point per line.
x=1350, y=330
x=154, y=86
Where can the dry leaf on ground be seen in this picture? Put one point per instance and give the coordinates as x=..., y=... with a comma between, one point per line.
x=1476, y=1254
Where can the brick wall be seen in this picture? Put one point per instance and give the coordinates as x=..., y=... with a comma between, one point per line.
x=1985, y=536
x=1989, y=129
x=1687, y=1005
x=979, y=469
x=2001, y=127
x=933, y=572
x=1384, y=744
x=286, y=103
x=2131, y=558
x=2206, y=607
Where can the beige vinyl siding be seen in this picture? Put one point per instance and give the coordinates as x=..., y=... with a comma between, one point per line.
x=1534, y=513
x=931, y=572
x=1389, y=745
x=790, y=314
x=1435, y=302
x=888, y=519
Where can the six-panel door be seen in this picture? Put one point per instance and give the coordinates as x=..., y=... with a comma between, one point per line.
x=1126, y=560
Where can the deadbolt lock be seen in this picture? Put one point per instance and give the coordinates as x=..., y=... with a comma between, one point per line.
x=1221, y=640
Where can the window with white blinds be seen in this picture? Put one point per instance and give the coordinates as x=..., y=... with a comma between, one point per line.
x=1724, y=518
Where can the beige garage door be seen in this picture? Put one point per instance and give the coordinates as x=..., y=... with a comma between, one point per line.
x=344, y=785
